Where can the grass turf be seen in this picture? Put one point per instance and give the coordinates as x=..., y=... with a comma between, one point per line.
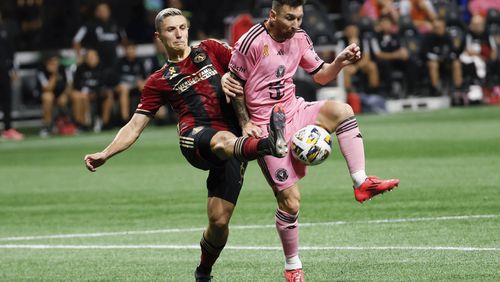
x=447, y=160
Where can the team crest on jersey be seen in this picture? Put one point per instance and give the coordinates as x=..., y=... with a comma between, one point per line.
x=200, y=57
x=266, y=50
x=281, y=174
x=280, y=72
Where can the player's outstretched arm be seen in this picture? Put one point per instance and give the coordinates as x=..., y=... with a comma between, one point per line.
x=123, y=140
x=329, y=72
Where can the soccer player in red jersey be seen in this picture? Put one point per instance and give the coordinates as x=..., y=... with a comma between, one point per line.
x=208, y=127
x=265, y=60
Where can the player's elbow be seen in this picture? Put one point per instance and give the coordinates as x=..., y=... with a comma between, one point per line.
x=321, y=80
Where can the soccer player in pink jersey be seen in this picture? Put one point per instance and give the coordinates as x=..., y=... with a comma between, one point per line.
x=264, y=61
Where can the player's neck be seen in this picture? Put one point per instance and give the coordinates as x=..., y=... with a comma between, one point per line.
x=271, y=29
x=177, y=56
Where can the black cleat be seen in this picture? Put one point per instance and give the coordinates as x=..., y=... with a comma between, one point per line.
x=276, y=128
x=202, y=277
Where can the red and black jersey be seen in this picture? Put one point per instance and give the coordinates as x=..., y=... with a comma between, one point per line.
x=192, y=87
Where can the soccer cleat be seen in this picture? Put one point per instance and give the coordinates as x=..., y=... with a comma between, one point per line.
x=294, y=275
x=202, y=277
x=12, y=134
x=372, y=187
x=276, y=128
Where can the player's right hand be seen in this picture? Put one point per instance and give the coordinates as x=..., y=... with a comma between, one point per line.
x=93, y=161
x=231, y=86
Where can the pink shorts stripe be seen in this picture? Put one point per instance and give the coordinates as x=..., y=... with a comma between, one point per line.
x=282, y=173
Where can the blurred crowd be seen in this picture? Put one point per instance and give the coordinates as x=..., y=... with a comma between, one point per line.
x=423, y=47
x=410, y=48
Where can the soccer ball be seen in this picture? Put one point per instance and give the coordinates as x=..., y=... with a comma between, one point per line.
x=311, y=145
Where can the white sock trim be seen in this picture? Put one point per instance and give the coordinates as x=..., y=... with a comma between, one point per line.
x=358, y=178
x=293, y=263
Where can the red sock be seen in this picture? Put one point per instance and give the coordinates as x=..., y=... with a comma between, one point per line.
x=250, y=148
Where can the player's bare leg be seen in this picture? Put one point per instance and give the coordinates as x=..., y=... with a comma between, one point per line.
x=339, y=117
x=287, y=226
x=215, y=236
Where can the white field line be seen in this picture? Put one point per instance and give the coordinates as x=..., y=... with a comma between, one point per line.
x=236, y=227
x=255, y=248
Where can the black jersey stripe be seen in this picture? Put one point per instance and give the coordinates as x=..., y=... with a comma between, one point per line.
x=249, y=34
x=307, y=36
x=244, y=49
x=317, y=69
x=143, y=112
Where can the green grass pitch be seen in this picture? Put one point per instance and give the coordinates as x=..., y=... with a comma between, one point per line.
x=139, y=218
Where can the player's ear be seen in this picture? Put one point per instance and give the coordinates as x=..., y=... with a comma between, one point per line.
x=272, y=14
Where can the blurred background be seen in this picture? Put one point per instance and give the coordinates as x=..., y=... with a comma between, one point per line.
x=73, y=66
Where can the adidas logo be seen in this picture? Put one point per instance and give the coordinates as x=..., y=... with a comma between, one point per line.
x=281, y=52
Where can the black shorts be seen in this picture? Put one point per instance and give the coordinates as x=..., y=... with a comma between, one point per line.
x=225, y=177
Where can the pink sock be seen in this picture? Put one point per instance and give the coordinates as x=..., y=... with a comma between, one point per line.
x=288, y=230
x=351, y=144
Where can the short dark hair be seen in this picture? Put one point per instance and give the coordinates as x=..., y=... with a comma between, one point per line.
x=277, y=4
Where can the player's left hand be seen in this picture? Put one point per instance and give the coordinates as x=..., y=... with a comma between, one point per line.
x=231, y=87
x=252, y=130
x=349, y=55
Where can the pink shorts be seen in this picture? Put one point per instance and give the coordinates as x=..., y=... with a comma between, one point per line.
x=282, y=173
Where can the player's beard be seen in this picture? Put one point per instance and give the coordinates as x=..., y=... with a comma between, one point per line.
x=289, y=33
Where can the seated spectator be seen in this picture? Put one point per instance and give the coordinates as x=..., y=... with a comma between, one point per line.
x=131, y=74
x=365, y=64
x=54, y=82
x=422, y=13
x=439, y=54
x=479, y=51
x=374, y=9
x=88, y=87
x=104, y=35
x=391, y=54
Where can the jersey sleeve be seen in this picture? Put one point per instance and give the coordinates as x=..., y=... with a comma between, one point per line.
x=151, y=98
x=242, y=63
x=310, y=61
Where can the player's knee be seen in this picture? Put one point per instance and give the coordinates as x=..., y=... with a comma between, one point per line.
x=339, y=111
x=219, y=221
x=222, y=143
x=290, y=205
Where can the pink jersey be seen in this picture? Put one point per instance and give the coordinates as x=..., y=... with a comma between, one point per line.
x=267, y=67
